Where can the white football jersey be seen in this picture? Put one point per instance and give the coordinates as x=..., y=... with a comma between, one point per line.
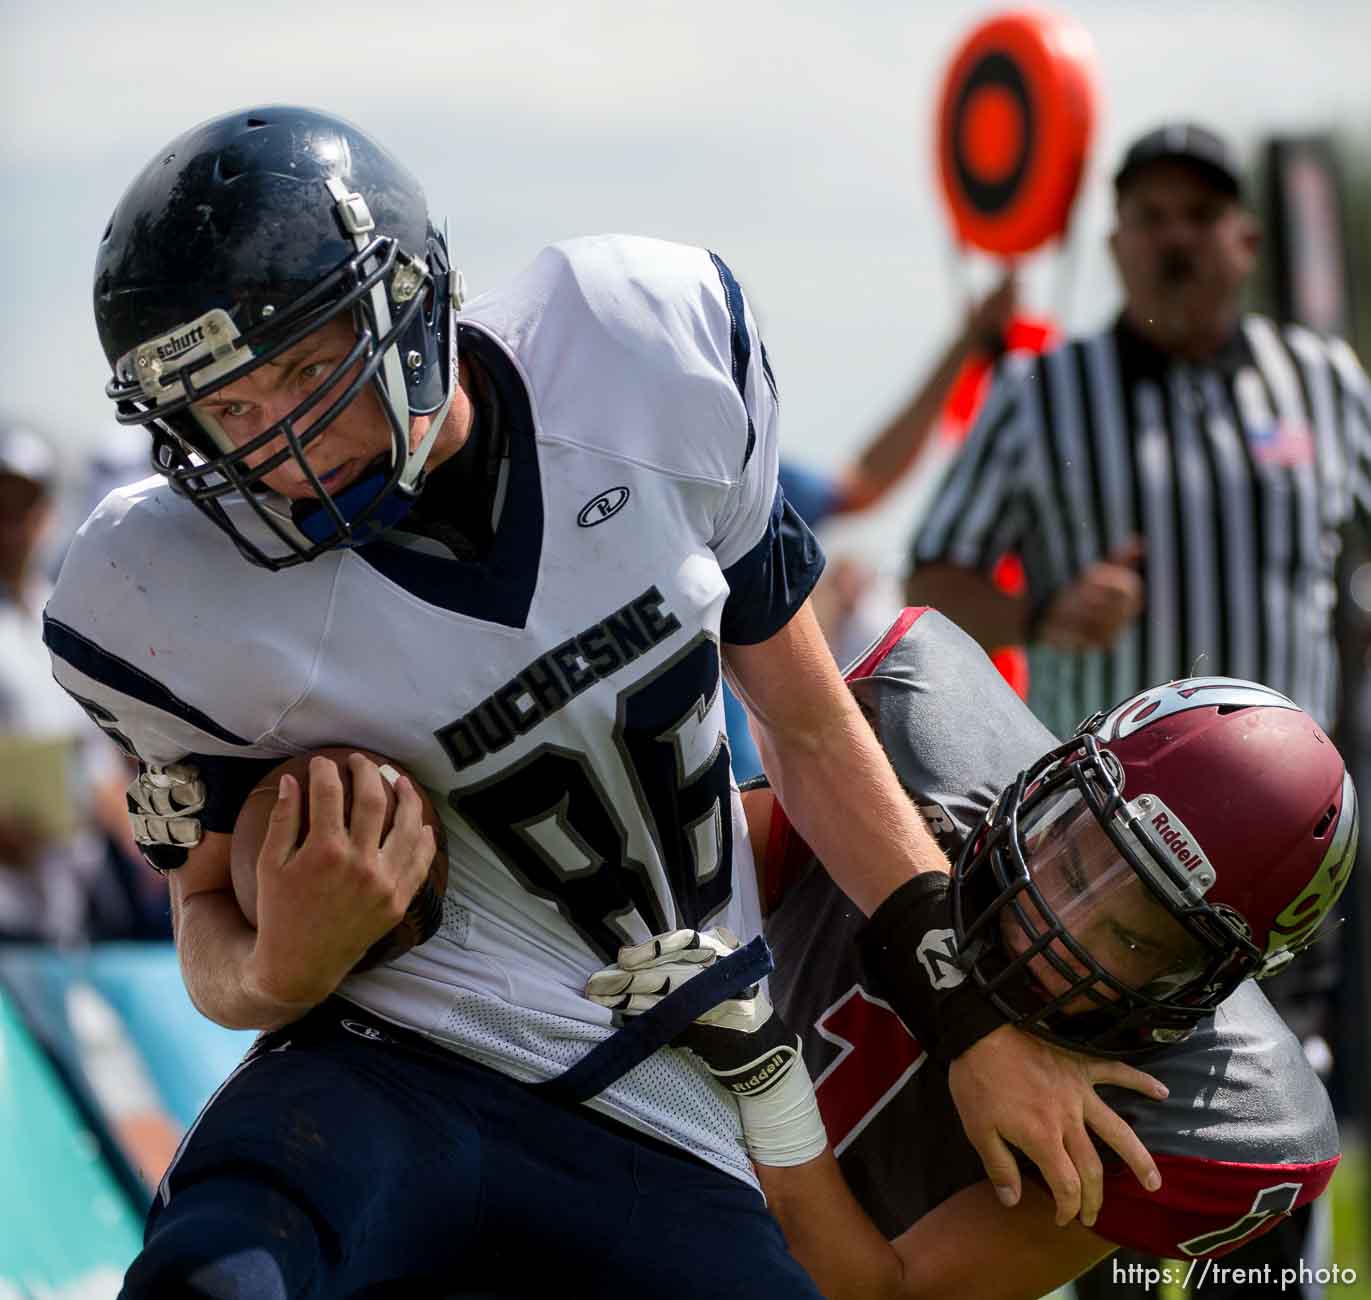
x=560, y=699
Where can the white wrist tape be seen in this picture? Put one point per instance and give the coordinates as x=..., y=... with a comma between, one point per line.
x=782, y=1125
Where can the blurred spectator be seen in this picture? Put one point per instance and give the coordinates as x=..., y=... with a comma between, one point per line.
x=819, y=495
x=61, y=779
x=1191, y=464
x=119, y=457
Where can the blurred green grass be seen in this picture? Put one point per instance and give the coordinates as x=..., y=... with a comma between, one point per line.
x=1351, y=1192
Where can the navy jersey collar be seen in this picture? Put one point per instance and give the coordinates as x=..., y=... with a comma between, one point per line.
x=498, y=587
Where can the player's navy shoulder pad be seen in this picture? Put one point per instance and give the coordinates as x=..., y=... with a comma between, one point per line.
x=628, y=347
x=955, y=731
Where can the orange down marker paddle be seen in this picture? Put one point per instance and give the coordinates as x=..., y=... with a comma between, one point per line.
x=1014, y=124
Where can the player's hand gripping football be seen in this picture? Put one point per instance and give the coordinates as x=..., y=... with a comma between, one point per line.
x=1013, y=1089
x=322, y=905
x=742, y=1041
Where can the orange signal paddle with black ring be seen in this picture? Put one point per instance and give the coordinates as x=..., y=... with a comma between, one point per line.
x=1014, y=124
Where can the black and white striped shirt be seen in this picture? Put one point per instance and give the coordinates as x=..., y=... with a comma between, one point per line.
x=1239, y=474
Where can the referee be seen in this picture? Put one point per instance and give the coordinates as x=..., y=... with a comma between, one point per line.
x=1176, y=484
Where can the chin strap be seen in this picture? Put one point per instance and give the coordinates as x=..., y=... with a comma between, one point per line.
x=317, y=524
x=411, y=479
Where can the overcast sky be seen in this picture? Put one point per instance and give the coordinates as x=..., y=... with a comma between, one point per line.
x=795, y=139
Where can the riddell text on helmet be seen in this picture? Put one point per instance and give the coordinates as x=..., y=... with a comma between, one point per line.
x=1176, y=840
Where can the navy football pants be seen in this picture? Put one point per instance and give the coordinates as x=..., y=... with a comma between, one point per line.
x=350, y=1158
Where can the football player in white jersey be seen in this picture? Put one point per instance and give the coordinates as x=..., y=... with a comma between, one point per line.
x=512, y=548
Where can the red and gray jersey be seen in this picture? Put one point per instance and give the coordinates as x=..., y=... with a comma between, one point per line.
x=1247, y=1133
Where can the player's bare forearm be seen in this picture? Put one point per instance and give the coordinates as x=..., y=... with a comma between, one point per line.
x=829, y=1233
x=971, y=601
x=216, y=950
x=321, y=901
x=889, y=455
x=972, y=1245
x=1018, y=1253
x=826, y=766
x=216, y=945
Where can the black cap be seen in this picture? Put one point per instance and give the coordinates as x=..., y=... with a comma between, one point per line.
x=1183, y=142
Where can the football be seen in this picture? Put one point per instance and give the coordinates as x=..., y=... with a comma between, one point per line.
x=425, y=912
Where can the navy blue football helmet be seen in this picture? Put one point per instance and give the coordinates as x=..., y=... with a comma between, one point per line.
x=242, y=236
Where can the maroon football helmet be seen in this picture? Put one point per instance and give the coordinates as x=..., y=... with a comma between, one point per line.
x=1129, y=880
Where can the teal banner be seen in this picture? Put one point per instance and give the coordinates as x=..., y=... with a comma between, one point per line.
x=70, y=1227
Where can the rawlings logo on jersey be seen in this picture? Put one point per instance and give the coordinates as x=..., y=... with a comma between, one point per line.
x=605, y=506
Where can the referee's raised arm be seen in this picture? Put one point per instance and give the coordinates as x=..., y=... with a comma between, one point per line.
x=982, y=511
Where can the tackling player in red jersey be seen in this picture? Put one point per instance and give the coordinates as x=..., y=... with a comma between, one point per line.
x=1114, y=893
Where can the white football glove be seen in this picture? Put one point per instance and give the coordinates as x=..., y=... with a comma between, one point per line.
x=742, y=1041
x=162, y=805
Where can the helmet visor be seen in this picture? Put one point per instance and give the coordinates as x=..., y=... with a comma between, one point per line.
x=1083, y=887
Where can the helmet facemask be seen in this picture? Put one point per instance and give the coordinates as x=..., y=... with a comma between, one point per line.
x=1076, y=928
x=400, y=308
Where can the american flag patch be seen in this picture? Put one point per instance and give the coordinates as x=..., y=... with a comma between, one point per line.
x=1283, y=443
